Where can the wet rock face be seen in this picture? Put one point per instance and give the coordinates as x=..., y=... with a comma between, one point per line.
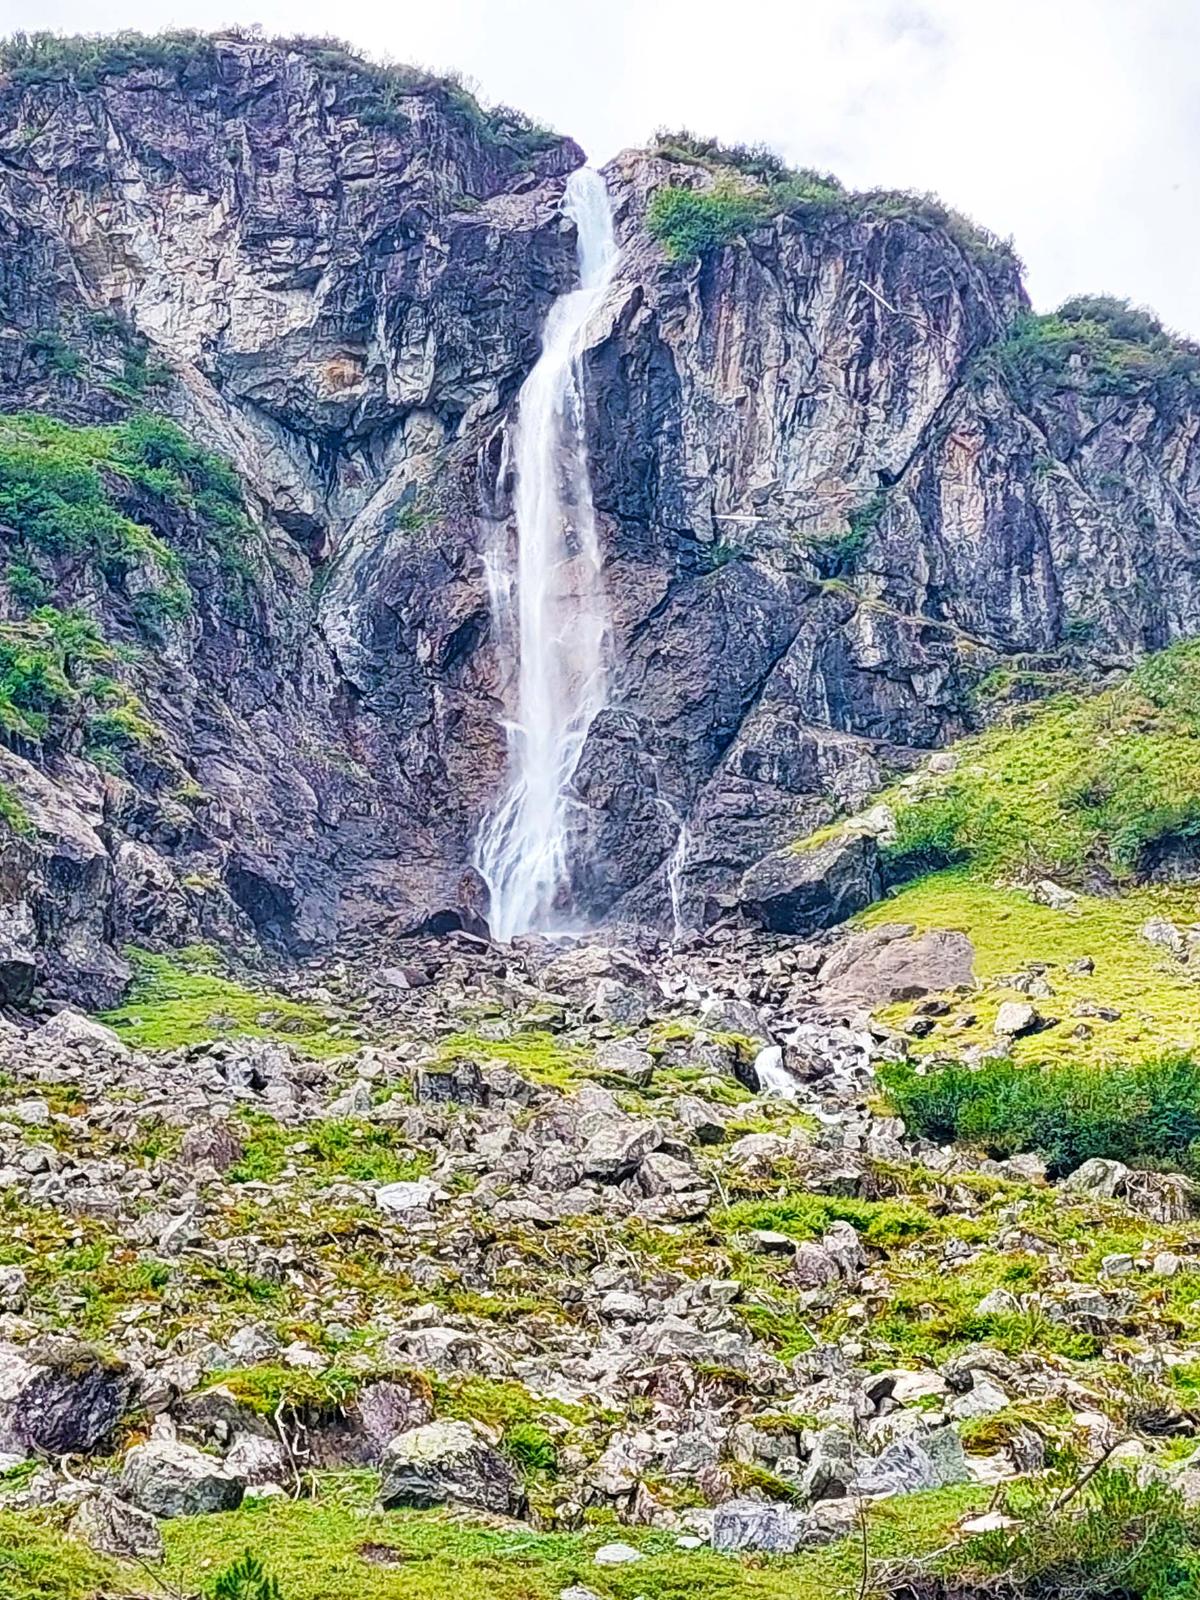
x=825, y=514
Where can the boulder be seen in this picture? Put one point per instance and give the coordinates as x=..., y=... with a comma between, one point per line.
x=931, y=1460
x=890, y=963
x=60, y=1397
x=1015, y=1018
x=617, y=1146
x=625, y=1059
x=18, y=953
x=759, y=1525
x=169, y=1479
x=458, y=1083
x=211, y=1144
x=700, y=1118
x=418, y=1194
x=114, y=1527
x=447, y=1463
x=801, y=890
x=830, y=1467
x=71, y=1028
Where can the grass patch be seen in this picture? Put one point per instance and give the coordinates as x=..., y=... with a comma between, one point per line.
x=533, y=1053
x=1071, y=788
x=362, y=1152
x=337, y=1547
x=881, y=1223
x=38, y=1563
x=185, y=999
x=1155, y=994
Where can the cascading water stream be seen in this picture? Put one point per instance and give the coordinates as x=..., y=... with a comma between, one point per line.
x=558, y=638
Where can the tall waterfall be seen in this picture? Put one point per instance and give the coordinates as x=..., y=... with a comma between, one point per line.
x=560, y=634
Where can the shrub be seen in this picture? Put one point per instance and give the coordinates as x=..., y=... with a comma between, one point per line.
x=1146, y=1114
x=246, y=1579
x=1116, y=1539
x=532, y=1448
x=756, y=160
x=1094, y=344
x=693, y=222
x=29, y=58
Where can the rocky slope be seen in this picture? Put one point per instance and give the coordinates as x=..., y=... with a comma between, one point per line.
x=842, y=478
x=619, y=1246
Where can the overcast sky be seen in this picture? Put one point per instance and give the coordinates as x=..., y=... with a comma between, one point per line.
x=1073, y=125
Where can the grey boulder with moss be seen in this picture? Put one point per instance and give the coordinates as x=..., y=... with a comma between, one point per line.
x=802, y=890
x=448, y=1463
x=59, y=1397
x=169, y=1479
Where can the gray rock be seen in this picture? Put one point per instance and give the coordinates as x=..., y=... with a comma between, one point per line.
x=831, y=1465
x=1015, y=1018
x=114, y=1527
x=617, y=1555
x=799, y=891
x=907, y=1466
x=18, y=952
x=72, y=1029
x=757, y=1525
x=703, y=1120
x=624, y=1059
x=617, y=1147
x=614, y=1001
x=60, y=1397
x=447, y=1463
x=419, y=1194
x=890, y=963
x=459, y=1083
x=169, y=1479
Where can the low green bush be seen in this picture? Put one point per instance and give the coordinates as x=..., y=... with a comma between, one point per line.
x=692, y=222
x=1146, y=1114
x=1116, y=1539
x=246, y=1579
x=1094, y=344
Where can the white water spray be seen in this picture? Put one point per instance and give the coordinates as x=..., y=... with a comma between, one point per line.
x=558, y=637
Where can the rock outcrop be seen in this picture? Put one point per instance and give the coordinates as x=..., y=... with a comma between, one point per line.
x=829, y=503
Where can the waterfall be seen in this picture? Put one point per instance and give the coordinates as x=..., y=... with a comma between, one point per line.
x=676, y=862
x=549, y=611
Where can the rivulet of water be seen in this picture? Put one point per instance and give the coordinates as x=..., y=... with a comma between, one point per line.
x=548, y=604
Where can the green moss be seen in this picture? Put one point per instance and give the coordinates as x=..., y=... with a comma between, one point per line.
x=362, y=1152
x=38, y=1563
x=533, y=1053
x=268, y=1389
x=174, y=1002
x=498, y=1403
x=884, y=1223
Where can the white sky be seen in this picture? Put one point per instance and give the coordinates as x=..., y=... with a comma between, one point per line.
x=1073, y=125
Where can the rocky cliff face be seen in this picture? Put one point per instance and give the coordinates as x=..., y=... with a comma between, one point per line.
x=832, y=500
